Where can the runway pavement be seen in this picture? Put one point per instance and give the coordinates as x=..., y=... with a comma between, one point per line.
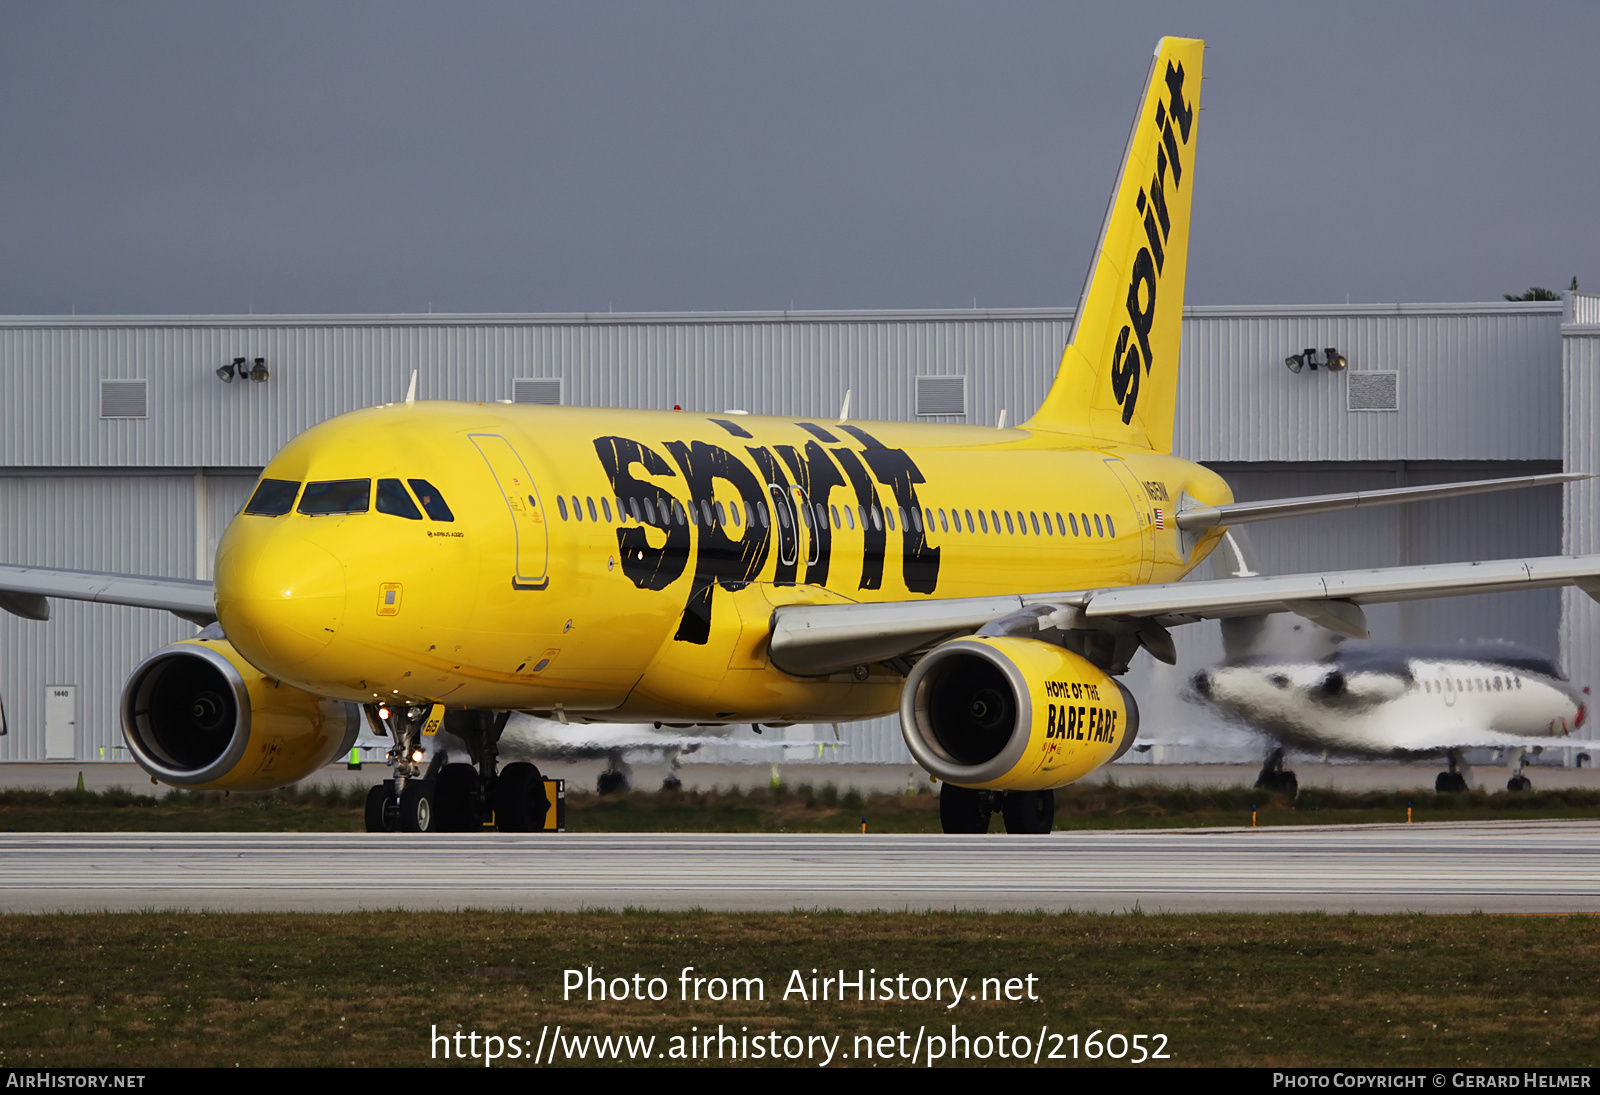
x=1518, y=866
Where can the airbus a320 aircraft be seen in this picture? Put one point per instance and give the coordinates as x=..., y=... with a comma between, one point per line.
x=633, y=566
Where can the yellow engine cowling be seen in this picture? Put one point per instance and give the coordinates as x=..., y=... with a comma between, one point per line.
x=1013, y=714
x=197, y=715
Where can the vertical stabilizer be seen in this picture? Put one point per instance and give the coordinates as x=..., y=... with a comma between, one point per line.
x=1119, y=375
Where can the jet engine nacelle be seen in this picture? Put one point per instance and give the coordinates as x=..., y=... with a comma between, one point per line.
x=1013, y=714
x=197, y=715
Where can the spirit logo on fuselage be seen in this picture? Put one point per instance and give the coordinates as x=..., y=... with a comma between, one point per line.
x=1147, y=265
x=782, y=489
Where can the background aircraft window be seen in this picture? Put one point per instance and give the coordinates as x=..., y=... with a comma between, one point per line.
x=888, y=516
x=1034, y=517
x=849, y=518
x=805, y=512
x=916, y=518
x=761, y=512
x=1009, y=526
x=877, y=520
x=783, y=515
x=677, y=511
x=605, y=508
x=633, y=508
x=1099, y=529
x=836, y=523
x=336, y=496
x=1111, y=529
x=749, y=515
x=273, y=498
x=432, y=501
x=822, y=516
x=650, y=513
x=577, y=509
x=561, y=504
x=944, y=525
x=593, y=514
x=392, y=498
x=720, y=514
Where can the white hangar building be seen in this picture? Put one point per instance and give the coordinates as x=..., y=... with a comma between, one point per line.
x=123, y=450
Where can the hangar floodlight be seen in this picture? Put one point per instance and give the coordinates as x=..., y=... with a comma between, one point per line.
x=259, y=372
x=225, y=373
x=1334, y=360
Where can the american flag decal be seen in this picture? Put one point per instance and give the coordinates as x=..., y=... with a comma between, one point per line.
x=1160, y=520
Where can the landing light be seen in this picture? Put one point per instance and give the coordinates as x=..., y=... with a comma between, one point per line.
x=383, y=712
x=417, y=757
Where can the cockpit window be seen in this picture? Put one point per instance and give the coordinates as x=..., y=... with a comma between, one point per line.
x=432, y=501
x=392, y=498
x=273, y=498
x=336, y=496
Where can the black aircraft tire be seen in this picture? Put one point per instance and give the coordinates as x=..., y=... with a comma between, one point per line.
x=961, y=810
x=1450, y=783
x=1029, y=811
x=1288, y=784
x=379, y=818
x=1519, y=783
x=416, y=807
x=452, y=799
x=520, y=804
x=610, y=783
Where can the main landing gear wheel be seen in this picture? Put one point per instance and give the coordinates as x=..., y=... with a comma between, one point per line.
x=1450, y=783
x=454, y=793
x=1275, y=777
x=963, y=809
x=383, y=812
x=1029, y=811
x=610, y=783
x=1519, y=783
x=416, y=807
x=520, y=804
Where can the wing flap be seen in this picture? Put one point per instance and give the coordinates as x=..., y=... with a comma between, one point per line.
x=23, y=591
x=813, y=640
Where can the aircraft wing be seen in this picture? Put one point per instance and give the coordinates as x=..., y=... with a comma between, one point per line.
x=813, y=640
x=25, y=592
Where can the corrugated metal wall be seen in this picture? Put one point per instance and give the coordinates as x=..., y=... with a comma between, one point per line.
x=1478, y=383
x=136, y=524
x=1580, y=534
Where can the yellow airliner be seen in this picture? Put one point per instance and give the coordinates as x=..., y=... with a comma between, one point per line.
x=632, y=566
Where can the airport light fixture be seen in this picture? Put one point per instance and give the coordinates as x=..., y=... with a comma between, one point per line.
x=243, y=368
x=1332, y=360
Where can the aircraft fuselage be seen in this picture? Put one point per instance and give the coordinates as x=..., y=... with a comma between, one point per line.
x=623, y=565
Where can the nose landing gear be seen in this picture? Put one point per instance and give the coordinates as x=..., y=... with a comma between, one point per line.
x=460, y=797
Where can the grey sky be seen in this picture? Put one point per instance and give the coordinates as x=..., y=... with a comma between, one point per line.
x=347, y=157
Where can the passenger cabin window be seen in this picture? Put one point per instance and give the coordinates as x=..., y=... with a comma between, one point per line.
x=273, y=498
x=605, y=508
x=1009, y=526
x=393, y=499
x=333, y=496
x=1099, y=530
x=943, y=525
x=561, y=504
x=593, y=516
x=1111, y=530
x=1074, y=524
x=432, y=501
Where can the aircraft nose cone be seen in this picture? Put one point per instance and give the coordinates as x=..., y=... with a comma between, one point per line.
x=281, y=604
